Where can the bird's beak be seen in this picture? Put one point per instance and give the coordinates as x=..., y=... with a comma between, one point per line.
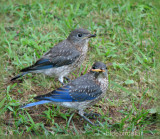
x=91, y=35
x=98, y=70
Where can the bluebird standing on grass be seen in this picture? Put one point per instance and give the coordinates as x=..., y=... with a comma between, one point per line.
x=79, y=93
x=63, y=58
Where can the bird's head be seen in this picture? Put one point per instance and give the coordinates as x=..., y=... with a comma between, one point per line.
x=79, y=36
x=99, y=69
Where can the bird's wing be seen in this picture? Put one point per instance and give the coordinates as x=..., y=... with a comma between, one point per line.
x=70, y=93
x=85, y=91
x=57, y=59
x=73, y=93
x=59, y=95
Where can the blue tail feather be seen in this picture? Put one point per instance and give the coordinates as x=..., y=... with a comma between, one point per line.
x=19, y=75
x=35, y=103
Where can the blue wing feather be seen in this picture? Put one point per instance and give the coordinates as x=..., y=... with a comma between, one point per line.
x=42, y=61
x=44, y=67
x=39, y=65
x=60, y=95
x=65, y=95
x=54, y=61
x=43, y=64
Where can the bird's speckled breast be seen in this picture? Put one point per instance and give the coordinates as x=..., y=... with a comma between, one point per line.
x=83, y=49
x=103, y=82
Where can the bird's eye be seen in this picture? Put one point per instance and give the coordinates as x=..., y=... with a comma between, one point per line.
x=93, y=67
x=79, y=35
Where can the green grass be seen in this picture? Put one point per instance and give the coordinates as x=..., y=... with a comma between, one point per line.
x=128, y=37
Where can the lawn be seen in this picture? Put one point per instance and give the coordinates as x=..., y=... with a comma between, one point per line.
x=128, y=39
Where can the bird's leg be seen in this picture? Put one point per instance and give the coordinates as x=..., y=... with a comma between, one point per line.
x=81, y=113
x=92, y=115
x=61, y=80
x=85, y=118
x=68, y=79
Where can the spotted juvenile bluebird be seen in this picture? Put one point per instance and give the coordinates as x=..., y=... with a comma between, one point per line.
x=79, y=93
x=63, y=58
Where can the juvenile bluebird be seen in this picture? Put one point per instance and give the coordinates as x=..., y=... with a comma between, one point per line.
x=63, y=58
x=79, y=93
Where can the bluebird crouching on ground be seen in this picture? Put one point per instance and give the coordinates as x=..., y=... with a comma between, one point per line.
x=63, y=58
x=79, y=93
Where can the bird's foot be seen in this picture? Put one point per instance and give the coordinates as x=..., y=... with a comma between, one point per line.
x=85, y=115
x=94, y=124
x=92, y=115
x=63, y=82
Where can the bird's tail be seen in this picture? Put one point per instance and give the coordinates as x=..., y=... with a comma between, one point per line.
x=35, y=103
x=18, y=76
